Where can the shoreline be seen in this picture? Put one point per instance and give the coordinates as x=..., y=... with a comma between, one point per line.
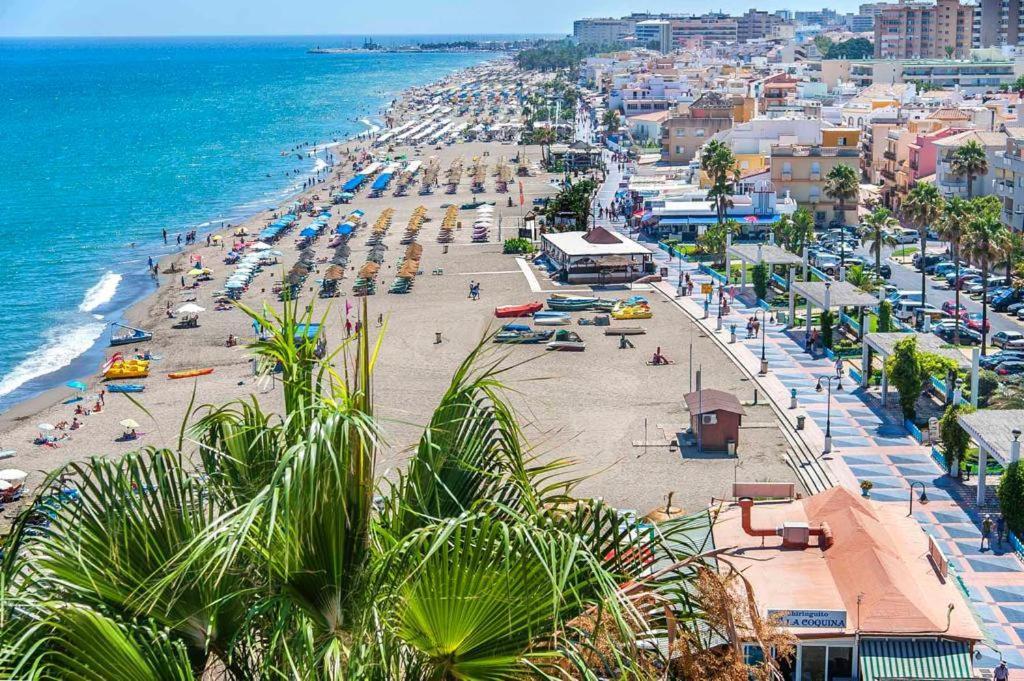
x=48, y=389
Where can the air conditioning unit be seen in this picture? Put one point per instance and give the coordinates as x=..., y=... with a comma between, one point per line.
x=708, y=419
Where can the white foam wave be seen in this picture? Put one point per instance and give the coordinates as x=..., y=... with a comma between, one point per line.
x=373, y=127
x=319, y=165
x=101, y=292
x=61, y=347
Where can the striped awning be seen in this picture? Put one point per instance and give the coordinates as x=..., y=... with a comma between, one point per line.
x=891, y=659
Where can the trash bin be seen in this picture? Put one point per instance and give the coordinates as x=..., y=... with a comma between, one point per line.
x=800, y=422
x=730, y=447
x=664, y=271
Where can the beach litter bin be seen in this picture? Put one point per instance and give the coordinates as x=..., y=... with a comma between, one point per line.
x=800, y=422
x=664, y=272
x=730, y=447
x=602, y=320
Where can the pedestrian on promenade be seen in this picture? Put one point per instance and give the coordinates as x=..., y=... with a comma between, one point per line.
x=750, y=327
x=839, y=366
x=757, y=327
x=807, y=341
x=472, y=289
x=986, y=532
x=1000, y=530
x=1001, y=673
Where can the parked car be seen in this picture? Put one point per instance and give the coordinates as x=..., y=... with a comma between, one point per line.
x=906, y=236
x=967, y=336
x=1008, y=339
x=1010, y=368
x=944, y=268
x=964, y=281
x=932, y=267
x=974, y=321
x=928, y=259
x=1014, y=309
x=951, y=278
x=997, y=358
x=950, y=308
x=1005, y=299
x=885, y=272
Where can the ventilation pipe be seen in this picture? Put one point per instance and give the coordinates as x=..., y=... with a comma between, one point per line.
x=794, y=534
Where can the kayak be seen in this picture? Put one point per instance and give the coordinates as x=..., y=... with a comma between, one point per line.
x=190, y=373
x=526, y=310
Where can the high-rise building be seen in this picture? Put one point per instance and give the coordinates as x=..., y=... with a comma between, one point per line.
x=998, y=23
x=602, y=31
x=711, y=28
x=922, y=30
x=755, y=24
x=654, y=33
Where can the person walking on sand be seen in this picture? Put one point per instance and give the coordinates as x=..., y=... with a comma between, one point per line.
x=986, y=533
x=348, y=328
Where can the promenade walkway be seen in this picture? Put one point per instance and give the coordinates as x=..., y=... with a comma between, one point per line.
x=871, y=444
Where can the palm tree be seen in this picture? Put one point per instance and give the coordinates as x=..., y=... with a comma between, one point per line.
x=923, y=207
x=545, y=137
x=862, y=278
x=256, y=548
x=803, y=226
x=718, y=161
x=969, y=160
x=842, y=184
x=986, y=242
x=877, y=226
x=952, y=226
x=610, y=121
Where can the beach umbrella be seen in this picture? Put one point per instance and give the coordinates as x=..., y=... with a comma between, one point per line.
x=46, y=426
x=195, y=272
x=4, y=485
x=241, y=231
x=190, y=308
x=260, y=246
x=663, y=513
x=13, y=475
x=129, y=423
x=485, y=209
x=218, y=237
x=308, y=232
x=277, y=253
x=76, y=385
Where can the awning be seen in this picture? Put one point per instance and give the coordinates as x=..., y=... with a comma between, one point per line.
x=893, y=658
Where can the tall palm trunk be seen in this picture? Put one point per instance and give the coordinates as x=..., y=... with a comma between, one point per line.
x=878, y=251
x=956, y=293
x=924, y=282
x=984, y=304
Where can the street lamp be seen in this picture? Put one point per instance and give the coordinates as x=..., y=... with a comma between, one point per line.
x=828, y=409
x=923, y=498
x=764, y=332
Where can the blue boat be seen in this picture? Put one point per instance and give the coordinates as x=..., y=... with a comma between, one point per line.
x=125, y=388
x=122, y=334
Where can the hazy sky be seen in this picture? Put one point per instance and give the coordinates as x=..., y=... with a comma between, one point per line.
x=358, y=17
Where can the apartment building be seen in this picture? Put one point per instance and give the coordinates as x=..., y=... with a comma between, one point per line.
x=923, y=30
x=951, y=184
x=602, y=31
x=755, y=25
x=998, y=23
x=710, y=28
x=752, y=142
x=800, y=171
x=654, y=33
x=1010, y=179
x=686, y=132
x=969, y=76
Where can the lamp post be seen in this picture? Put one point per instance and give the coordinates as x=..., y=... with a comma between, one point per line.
x=828, y=409
x=764, y=332
x=923, y=498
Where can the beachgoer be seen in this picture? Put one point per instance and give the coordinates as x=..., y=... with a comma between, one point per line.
x=231, y=340
x=348, y=328
x=472, y=287
x=358, y=327
x=96, y=408
x=986, y=533
x=75, y=425
x=165, y=237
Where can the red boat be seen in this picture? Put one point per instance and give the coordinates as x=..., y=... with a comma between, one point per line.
x=518, y=310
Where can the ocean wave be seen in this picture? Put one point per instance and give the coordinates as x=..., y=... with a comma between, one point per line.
x=102, y=292
x=61, y=347
x=319, y=165
x=373, y=127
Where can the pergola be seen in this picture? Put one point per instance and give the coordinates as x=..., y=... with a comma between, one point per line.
x=997, y=432
x=755, y=254
x=884, y=343
x=827, y=295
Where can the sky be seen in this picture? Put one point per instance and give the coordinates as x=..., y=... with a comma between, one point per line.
x=333, y=17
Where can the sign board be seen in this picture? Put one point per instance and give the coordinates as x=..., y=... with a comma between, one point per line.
x=810, y=619
x=707, y=288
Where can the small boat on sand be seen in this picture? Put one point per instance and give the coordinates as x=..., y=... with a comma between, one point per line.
x=570, y=304
x=125, y=388
x=506, y=311
x=121, y=334
x=567, y=341
x=625, y=331
x=551, y=318
x=529, y=337
x=190, y=373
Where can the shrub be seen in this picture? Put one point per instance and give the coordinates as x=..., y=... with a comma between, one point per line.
x=885, y=316
x=1011, y=496
x=904, y=370
x=760, y=276
x=955, y=439
x=826, y=328
x=517, y=245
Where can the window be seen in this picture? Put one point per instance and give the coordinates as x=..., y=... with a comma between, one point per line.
x=787, y=168
x=680, y=132
x=699, y=132
x=841, y=142
x=815, y=168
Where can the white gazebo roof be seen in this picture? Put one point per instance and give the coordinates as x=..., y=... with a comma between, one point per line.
x=993, y=429
x=596, y=242
x=766, y=253
x=841, y=294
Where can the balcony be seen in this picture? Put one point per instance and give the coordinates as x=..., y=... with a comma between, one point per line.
x=889, y=155
x=814, y=177
x=887, y=174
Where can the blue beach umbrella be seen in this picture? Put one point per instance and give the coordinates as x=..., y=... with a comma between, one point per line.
x=76, y=385
x=309, y=231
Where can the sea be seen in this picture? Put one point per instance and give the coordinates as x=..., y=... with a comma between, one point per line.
x=105, y=143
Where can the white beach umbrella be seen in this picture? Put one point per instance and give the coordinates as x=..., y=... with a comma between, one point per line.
x=261, y=246
x=4, y=485
x=190, y=308
x=13, y=475
x=486, y=208
x=46, y=426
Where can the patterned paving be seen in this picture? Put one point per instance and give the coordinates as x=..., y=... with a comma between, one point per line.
x=870, y=445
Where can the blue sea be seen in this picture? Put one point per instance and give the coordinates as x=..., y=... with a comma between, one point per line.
x=105, y=143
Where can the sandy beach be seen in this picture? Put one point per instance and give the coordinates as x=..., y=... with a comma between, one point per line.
x=605, y=407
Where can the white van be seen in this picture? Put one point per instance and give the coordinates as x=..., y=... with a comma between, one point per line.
x=897, y=297
x=905, y=310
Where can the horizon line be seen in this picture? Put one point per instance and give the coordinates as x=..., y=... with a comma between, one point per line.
x=366, y=34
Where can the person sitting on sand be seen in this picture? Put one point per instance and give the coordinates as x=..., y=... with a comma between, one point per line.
x=61, y=425
x=75, y=425
x=659, y=358
x=231, y=340
x=78, y=410
x=98, y=407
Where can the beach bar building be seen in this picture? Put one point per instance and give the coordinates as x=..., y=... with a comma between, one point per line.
x=865, y=592
x=598, y=256
x=715, y=419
